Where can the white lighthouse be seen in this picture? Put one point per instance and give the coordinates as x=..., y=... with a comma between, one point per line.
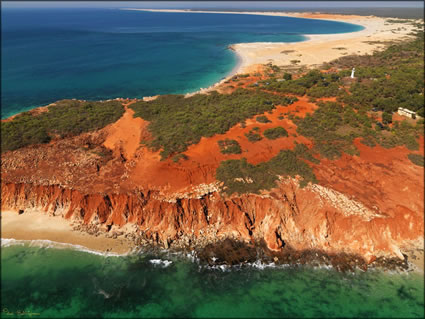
x=352, y=73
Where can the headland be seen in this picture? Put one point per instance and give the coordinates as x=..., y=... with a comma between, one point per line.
x=260, y=170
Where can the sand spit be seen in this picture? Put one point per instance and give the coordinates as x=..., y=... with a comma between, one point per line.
x=318, y=49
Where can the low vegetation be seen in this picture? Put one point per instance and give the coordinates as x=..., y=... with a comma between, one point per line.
x=275, y=132
x=228, y=146
x=416, y=159
x=177, y=122
x=253, y=136
x=239, y=176
x=65, y=118
x=302, y=151
x=384, y=81
x=178, y=157
x=314, y=83
x=389, y=79
x=262, y=119
x=333, y=128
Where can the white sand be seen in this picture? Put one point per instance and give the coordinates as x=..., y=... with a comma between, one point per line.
x=36, y=225
x=319, y=48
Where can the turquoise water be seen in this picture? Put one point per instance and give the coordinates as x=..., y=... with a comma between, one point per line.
x=51, y=54
x=69, y=283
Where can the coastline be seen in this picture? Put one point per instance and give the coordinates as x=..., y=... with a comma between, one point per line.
x=45, y=227
x=317, y=49
x=236, y=70
x=37, y=228
x=35, y=225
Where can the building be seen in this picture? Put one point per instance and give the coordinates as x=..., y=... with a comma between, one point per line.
x=406, y=112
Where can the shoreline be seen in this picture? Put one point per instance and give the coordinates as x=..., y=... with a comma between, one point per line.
x=37, y=225
x=316, y=50
x=61, y=230
x=37, y=228
x=235, y=71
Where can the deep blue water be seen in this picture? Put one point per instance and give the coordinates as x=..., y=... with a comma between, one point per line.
x=51, y=54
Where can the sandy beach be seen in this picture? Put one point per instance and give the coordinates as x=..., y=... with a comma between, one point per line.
x=36, y=225
x=318, y=49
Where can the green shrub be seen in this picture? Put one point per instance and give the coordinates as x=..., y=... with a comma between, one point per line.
x=262, y=119
x=368, y=141
x=328, y=150
x=253, y=137
x=276, y=132
x=323, y=90
x=65, y=118
x=177, y=122
x=228, y=146
x=301, y=150
x=387, y=118
x=178, y=157
x=416, y=159
x=239, y=176
x=287, y=76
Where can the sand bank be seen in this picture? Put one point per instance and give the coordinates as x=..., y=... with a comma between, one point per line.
x=318, y=49
x=36, y=225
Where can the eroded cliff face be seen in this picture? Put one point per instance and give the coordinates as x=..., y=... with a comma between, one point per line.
x=311, y=218
x=369, y=205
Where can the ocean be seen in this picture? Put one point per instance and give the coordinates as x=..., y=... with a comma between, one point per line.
x=52, y=53
x=44, y=281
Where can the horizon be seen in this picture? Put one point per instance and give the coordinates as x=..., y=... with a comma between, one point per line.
x=213, y=4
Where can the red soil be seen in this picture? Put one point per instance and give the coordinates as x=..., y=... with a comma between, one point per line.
x=205, y=157
x=133, y=185
x=125, y=134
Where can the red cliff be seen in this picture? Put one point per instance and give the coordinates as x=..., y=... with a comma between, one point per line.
x=369, y=205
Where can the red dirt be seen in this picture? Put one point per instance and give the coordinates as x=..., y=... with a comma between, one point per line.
x=381, y=178
x=370, y=204
x=125, y=134
x=205, y=157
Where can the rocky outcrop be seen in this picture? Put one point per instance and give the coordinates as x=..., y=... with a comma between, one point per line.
x=311, y=218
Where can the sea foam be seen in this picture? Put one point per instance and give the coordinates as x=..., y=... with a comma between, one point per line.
x=160, y=262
